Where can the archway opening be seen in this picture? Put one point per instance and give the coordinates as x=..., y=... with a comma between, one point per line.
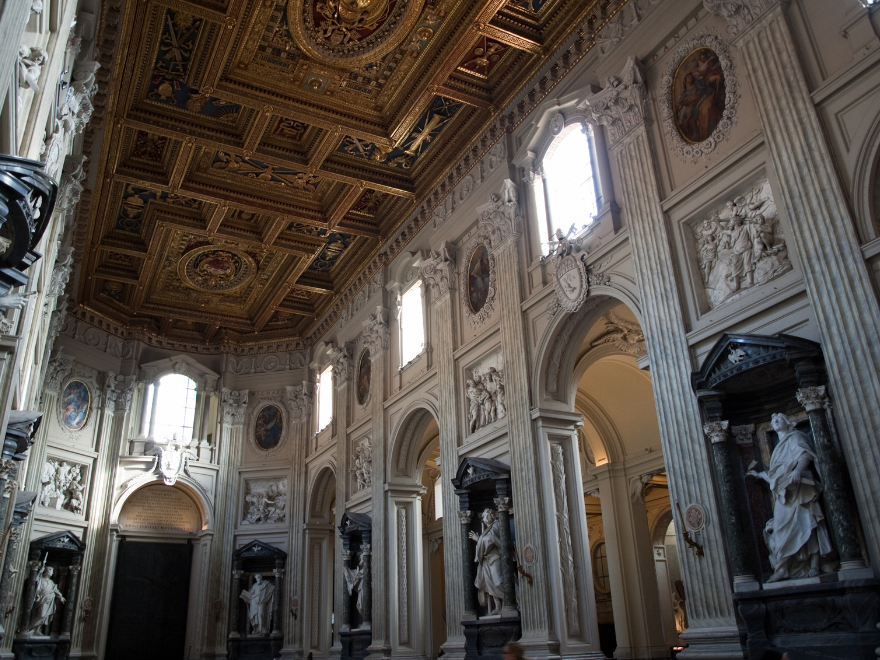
x=319, y=626
x=432, y=542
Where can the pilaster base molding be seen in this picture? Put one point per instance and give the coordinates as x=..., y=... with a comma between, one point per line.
x=712, y=643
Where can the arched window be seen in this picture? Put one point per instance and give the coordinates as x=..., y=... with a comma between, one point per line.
x=325, y=397
x=171, y=403
x=412, y=323
x=572, y=193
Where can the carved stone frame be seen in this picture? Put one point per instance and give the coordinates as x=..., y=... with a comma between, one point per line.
x=252, y=418
x=476, y=318
x=690, y=151
x=95, y=402
x=357, y=373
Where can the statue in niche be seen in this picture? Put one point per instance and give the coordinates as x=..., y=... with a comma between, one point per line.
x=796, y=535
x=488, y=559
x=259, y=600
x=44, y=603
x=354, y=582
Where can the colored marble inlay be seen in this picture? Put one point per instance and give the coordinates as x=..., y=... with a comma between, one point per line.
x=337, y=243
x=422, y=136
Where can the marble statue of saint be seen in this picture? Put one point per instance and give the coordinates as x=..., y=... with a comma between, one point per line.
x=354, y=582
x=488, y=558
x=259, y=600
x=796, y=535
x=44, y=603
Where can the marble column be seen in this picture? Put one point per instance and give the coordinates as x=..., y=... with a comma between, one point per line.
x=233, y=407
x=345, y=619
x=367, y=585
x=621, y=109
x=438, y=273
x=277, y=597
x=72, y=591
x=24, y=504
x=375, y=337
x=836, y=492
x=118, y=393
x=299, y=403
x=632, y=577
x=507, y=587
x=235, y=604
x=737, y=530
x=467, y=560
x=340, y=358
x=822, y=230
x=499, y=226
x=30, y=590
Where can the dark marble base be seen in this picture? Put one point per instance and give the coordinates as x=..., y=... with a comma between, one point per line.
x=834, y=621
x=484, y=639
x=45, y=648
x=255, y=647
x=355, y=643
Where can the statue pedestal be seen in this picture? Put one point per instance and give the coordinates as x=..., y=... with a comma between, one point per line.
x=26, y=647
x=484, y=638
x=262, y=647
x=355, y=643
x=835, y=620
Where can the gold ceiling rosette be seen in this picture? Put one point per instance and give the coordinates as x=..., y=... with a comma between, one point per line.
x=351, y=32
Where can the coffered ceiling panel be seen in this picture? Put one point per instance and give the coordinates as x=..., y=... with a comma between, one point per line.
x=259, y=152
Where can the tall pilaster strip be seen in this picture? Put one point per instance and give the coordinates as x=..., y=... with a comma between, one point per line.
x=376, y=339
x=823, y=231
x=438, y=272
x=118, y=393
x=233, y=405
x=500, y=222
x=340, y=358
x=621, y=109
x=299, y=401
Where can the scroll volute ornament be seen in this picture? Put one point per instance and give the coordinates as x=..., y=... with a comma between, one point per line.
x=622, y=105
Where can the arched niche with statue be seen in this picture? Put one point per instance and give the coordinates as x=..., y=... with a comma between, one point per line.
x=256, y=602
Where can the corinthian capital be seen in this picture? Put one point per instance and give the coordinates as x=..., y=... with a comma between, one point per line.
x=233, y=404
x=118, y=392
x=812, y=398
x=438, y=271
x=739, y=14
x=300, y=399
x=500, y=218
x=57, y=371
x=716, y=431
x=622, y=105
x=375, y=333
x=340, y=358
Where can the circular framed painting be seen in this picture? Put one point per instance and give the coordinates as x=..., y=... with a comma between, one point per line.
x=364, y=377
x=698, y=95
x=268, y=427
x=75, y=405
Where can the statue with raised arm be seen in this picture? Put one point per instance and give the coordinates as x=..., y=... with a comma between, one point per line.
x=796, y=535
x=354, y=582
x=488, y=558
x=259, y=601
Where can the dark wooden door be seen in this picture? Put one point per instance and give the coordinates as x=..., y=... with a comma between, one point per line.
x=150, y=598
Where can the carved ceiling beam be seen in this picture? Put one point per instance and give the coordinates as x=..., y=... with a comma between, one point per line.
x=345, y=204
x=216, y=218
x=151, y=264
x=165, y=326
x=272, y=229
x=323, y=289
x=464, y=97
x=272, y=306
x=328, y=142
x=211, y=331
x=257, y=129
x=217, y=63
x=115, y=277
x=181, y=164
x=511, y=39
x=195, y=9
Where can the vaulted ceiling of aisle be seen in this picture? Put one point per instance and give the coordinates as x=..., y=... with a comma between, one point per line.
x=258, y=153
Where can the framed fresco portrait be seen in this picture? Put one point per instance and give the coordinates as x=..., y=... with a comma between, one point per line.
x=268, y=427
x=700, y=96
x=478, y=283
x=364, y=377
x=75, y=405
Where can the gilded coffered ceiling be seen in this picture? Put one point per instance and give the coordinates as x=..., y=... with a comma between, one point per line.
x=258, y=153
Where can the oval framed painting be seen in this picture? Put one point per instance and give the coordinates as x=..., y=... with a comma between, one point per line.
x=478, y=283
x=268, y=427
x=364, y=377
x=75, y=405
x=700, y=96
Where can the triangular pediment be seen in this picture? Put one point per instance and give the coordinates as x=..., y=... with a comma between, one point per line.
x=355, y=522
x=65, y=540
x=260, y=550
x=475, y=470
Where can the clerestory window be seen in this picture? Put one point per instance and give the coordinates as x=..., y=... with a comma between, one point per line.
x=325, y=398
x=412, y=323
x=170, y=408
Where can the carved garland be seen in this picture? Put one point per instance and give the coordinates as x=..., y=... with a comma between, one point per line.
x=690, y=151
x=476, y=318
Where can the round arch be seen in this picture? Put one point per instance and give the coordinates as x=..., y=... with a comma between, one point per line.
x=322, y=491
x=184, y=483
x=406, y=443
